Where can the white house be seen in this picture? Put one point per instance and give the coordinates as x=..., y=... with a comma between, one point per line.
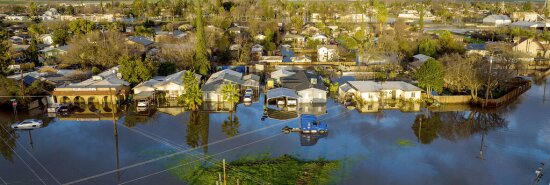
x=259, y=37
x=50, y=14
x=497, y=20
x=211, y=90
x=327, y=53
x=172, y=85
x=321, y=38
x=277, y=75
x=46, y=39
x=372, y=91
x=16, y=17
x=257, y=49
x=309, y=87
x=295, y=40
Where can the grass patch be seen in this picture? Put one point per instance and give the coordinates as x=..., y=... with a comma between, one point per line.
x=404, y=142
x=254, y=170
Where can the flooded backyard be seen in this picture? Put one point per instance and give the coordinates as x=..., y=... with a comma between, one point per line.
x=446, y=145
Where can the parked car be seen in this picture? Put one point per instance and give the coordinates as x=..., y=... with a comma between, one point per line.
x=249, y=91
x=142, y=103
x=63, y=109
x=291, y=102
x=247, y=98
x=27, y=124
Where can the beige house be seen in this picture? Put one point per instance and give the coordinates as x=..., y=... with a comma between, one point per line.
x=524, y=16
x=372, y=91
x=532, y=47
x=171, y=86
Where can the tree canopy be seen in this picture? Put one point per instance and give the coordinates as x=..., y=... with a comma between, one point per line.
x=135, y=71
x=192, y=96
x=202, y=64
x=430, y=76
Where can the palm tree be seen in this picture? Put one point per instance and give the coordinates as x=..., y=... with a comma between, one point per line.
x=192, y=96
x=231, y=94
x=231, y=126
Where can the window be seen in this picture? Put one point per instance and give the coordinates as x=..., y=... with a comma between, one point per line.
x=413, y=94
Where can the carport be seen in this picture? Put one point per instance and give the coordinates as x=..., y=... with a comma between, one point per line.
x=281, y=94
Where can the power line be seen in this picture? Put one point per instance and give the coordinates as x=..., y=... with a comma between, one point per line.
x=3, y=181
x=174, y=154
x=24, y=162
x=180, y=148
x=39, y=163
x=177, y=166
x=174, y=167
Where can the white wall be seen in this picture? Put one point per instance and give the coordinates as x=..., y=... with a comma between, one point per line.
x=312, y=95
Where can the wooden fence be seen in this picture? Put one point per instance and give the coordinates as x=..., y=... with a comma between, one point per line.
x=509, y=97
x=457, y=99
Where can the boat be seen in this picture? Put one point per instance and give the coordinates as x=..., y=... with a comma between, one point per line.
x=309, y=124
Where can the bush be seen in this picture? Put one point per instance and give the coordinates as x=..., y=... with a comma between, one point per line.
x=96, y=70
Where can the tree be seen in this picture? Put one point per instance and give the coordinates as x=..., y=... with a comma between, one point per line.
x=32, y=9
x=133, y=70
x=192, y=96
x=381, y=15
x=166, y=68
x=421, y=13
x=428, y=47
x=430, y=76
x=231, y=94
x=448, y=44
x=527, y=6
x=425, y=128
x=231, y=126
x=60, y=37
x=81, y=26
x=35, y=30
x=5, y=54
x=201, y=54
x=545, y=36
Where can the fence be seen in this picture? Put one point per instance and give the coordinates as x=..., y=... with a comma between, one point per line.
x=510, y=96
x=453, y=99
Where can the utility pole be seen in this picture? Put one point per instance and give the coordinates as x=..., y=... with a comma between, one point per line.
x=224, y=177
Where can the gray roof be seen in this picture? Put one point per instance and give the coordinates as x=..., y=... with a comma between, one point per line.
x=212, y=86
x=226, y=75
x=107, y=78
x=140, y=40
x=422, y=57
x=159, y=81
x=302, y=80
x=476, y=46
x=492, y=18
x=372, y=86
x=281, y=92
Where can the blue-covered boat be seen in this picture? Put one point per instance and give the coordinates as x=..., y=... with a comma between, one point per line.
x=310, y=124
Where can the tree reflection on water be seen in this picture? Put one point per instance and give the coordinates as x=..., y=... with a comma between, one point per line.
x=231, y=126
x=7, y=143
x=197, y=130
x=454, y=126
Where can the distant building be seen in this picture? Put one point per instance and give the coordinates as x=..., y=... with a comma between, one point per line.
x=302, y=58
x=321, y=38
x=16, y=18
x=497, y=20
x=532, y=47
x=270, y=59
x=295, y=40
x=479, y=49
x=524, y=16
x=418, y=60
x=327, y=53
x=143, y=43
x=46, y=39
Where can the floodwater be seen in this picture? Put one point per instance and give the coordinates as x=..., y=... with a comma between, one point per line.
x=448, y=145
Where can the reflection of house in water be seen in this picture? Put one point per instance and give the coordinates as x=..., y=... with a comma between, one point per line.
x=90, y=116
x=403, y=106
x=173, y=111
x=95, y=95
x=315, y=108
x=310, y=139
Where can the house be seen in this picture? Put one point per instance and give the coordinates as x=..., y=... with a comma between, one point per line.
x=302, y=58
x=327, y=53
x=211, y=90
x=321, y=38
x=142, y=42
x=16, y=39
x=308, y=85
x=235, y=30
x=497, y=20
x=532, y=47
x=259, y=37
x=527, y=25
x=479, y=49
x=295, y=40
x=356, y=18
x=257, y=51
x=524, y=16
x=281, y=73
x=414, y=15
x=171, y=86
x=51, y=52
x=164, y=35
x=418, y=60
x=50, y=14
x=270, y=59
x=46, y=39
x=372, y=91
x=16, y=18
x=251, y=81
x=100, y=92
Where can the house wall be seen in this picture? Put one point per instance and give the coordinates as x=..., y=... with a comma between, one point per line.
x=143, y=89
x=211, y=96
x=370, y=96
x=530, y=47
x=325, y=54
x=312, y=95
x=389, y=94
x=172, y=90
